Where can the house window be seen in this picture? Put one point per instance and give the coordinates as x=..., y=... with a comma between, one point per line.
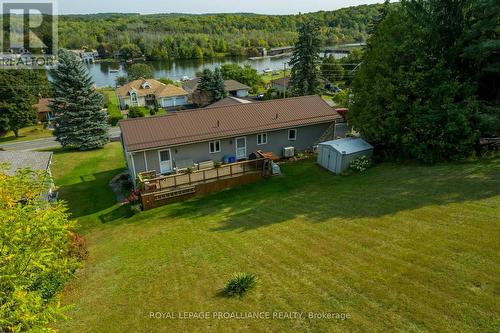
x=214, y=146
x=262, y=138
x=133, y=97
x=292, y=134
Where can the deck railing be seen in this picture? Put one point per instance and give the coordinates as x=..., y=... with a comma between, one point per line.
x=148, y=182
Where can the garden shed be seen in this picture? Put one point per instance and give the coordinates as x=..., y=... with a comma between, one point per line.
x=335, y=155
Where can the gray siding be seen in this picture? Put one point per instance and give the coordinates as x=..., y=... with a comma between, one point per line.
x=335, y=161
x=307, y=136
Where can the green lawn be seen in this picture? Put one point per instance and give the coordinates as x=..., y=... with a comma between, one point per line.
x=27, y=133
x=399, y=248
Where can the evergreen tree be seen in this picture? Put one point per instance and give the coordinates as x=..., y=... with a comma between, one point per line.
x=217, y=87
x=413, y=96
x=205, y=80
x=305, y=60
x=80, y=122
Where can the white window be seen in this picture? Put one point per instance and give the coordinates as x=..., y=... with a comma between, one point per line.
x=214, y=147
x=292, y=134
x=262, y=138
x=133, y=97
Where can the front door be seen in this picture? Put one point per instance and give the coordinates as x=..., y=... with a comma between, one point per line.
x=241, y=148
x=165, y=161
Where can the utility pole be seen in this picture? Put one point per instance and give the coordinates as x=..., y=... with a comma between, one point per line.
x=285, y=85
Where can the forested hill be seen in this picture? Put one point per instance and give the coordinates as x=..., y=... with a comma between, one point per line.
x=184, y=36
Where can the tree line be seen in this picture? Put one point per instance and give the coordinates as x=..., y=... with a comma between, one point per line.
x=427, y=88
x=181, y=36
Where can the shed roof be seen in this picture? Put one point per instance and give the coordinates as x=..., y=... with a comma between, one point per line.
x=348, y=145
x=224, y=121
x=37, y=161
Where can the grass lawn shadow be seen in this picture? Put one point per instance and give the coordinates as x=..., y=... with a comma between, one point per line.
x=91, y=194
x=313, y=193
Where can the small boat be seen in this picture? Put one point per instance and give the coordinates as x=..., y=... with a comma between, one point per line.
x=113, y=70
x=267, y=70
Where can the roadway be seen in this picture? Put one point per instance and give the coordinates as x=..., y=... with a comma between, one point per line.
x=46, y=143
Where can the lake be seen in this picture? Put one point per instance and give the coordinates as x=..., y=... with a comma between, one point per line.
x=178, y=69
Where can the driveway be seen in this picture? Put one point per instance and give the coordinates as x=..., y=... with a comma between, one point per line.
x=46, y=143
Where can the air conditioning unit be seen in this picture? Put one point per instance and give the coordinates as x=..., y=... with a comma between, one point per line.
x=289, y=152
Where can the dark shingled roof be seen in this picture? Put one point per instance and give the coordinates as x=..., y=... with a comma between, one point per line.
x=224, y=121
x=37, y=161
x=230, y=100
x=282, y=81
x=43, y=105
x=230, y=85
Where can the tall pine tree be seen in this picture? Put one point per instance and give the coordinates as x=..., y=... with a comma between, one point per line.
x=80, y=122
x=217, y=87
x=305, y=60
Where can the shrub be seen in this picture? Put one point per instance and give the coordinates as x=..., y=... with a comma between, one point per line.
x=240, y=284
x=360, y=164
x=48, y=284
x=135, y=112
x=77, y=247
x=114, y=119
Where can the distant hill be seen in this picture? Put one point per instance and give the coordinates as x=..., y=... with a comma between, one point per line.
x=188, y=36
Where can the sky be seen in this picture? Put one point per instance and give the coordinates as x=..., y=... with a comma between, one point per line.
x=204, y=6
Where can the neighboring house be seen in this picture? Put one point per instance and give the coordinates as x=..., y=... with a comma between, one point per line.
x=230, y=100
x=233, y=132
x=44, y=114
x=236, y=89
x=281, y=84
x=36, y=161
x=151, y=92
x=233, y=88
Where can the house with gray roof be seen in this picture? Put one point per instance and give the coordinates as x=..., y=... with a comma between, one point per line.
x=13, y=161
x=233, y=88
x=17, y=160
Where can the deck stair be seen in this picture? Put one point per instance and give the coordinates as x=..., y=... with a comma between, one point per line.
x=172, y=193
x=327, y=135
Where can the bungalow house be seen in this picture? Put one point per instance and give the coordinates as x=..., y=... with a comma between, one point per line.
x=233, y=88
x=232, y=132
x=281, y=84
x=151, y=92
x=44, y=114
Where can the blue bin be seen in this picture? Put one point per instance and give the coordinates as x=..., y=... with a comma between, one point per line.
x=232, y=159
x=226, y=159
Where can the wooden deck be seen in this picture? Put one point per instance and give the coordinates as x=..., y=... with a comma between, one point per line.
x=156, y=191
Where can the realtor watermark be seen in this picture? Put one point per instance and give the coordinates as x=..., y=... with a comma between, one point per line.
x=259, y=315
x=28, y=33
